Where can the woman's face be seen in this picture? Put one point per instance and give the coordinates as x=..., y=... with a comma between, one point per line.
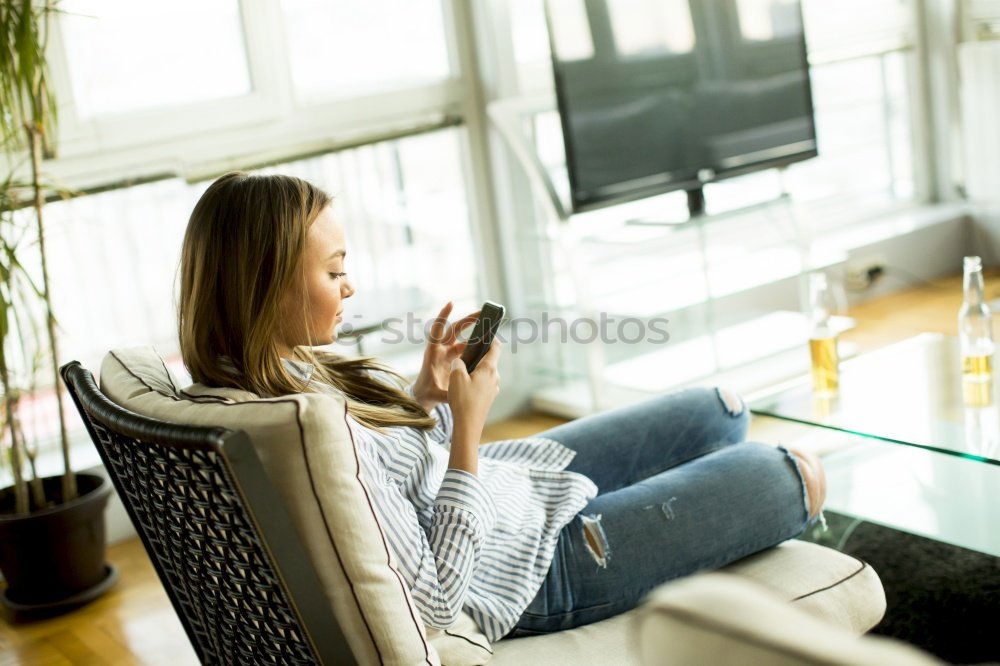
x=326, y=285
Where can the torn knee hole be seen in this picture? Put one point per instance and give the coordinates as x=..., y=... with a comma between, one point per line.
x=811, y=490
x=668, y=508
x=595, y=539
x=731, y=401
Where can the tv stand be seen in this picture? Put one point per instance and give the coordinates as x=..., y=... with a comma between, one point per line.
x=696, y=202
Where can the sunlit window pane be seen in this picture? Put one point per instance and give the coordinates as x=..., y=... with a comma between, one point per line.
x=571, y=30
x=351, y=47
x=406, y=221
x=764, y=20
x=863, y=131
x=126, y=56
x=403, y=207
x=527, y=30
x=841, y=28
x=651, y=27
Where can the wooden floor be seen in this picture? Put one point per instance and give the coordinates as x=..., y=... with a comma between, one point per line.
x=135, y=624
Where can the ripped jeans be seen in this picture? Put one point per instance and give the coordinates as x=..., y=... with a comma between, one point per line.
x=680, y=491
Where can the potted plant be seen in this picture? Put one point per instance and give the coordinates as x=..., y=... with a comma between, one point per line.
x=51, y=529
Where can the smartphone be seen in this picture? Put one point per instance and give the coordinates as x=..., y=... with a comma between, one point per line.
x=482, y=335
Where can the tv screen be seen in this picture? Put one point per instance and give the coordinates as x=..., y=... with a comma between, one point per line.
x=658, y=95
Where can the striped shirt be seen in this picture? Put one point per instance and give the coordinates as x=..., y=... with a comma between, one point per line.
x=479, y=543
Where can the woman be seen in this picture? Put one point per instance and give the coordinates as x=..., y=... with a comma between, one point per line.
x=527, y=535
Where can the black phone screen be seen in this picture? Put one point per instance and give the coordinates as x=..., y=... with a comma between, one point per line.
x=482, y=335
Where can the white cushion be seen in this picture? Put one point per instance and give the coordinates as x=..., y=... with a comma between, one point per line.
x=823, y=582
x=719, y=618
x=836, y=589
x=306, y=448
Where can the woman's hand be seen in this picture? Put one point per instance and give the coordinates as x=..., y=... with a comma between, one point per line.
x=471, y=397
x=431, y=385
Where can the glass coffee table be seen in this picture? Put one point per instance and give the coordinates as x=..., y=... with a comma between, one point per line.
x=920, y=449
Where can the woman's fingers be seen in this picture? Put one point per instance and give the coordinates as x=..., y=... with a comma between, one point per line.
x=437, y=328
x=458, y=365
x=457, y=327
x=492, y=355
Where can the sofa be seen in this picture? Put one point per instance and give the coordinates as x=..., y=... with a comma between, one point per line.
x=723, y=619
x=306, y=449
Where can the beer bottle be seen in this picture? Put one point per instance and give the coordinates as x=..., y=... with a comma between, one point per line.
x=975, y=326
x=822, y=337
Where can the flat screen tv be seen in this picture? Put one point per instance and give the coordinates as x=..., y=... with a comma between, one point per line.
x=661, y=95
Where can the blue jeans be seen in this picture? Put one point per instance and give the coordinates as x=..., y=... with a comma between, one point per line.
x=680, y=491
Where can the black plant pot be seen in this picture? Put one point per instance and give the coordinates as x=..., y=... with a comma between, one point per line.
x=53, y=558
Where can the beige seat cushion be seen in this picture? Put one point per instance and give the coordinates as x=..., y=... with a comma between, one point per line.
x=835, y=589
x=827, y=584
x=305, y=446
x=718, y=618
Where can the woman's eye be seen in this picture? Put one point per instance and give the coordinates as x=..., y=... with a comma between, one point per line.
x=337, y=275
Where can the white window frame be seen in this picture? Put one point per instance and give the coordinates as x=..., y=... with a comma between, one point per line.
x=273, y=124
x=279, y=125
x=269, y=124
x=106, y=133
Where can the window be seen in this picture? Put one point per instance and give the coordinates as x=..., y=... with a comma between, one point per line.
x=406, y=220
x=571, y=29
x=651, y=27
x=405, y=217
x=863, y=131
x=863, y=83
x=353, y=47
x=370, y=91
x=846, y=28
x=242, y=82
x=980, y=20
x=129, y=56
x=763, y=20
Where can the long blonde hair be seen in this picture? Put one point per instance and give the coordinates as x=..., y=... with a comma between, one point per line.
x=243, y=248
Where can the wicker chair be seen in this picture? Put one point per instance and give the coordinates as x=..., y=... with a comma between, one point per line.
x=220, y=539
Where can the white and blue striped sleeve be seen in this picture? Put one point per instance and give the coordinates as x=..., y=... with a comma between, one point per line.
x=438, y=564
x=442, y=432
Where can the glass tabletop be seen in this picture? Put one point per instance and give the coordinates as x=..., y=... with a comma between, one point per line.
x=909, y=393
x=950, y=499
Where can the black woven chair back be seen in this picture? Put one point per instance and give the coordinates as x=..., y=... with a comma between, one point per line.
x=202, y=504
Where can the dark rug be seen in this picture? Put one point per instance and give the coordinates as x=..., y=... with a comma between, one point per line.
x=939, y=597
